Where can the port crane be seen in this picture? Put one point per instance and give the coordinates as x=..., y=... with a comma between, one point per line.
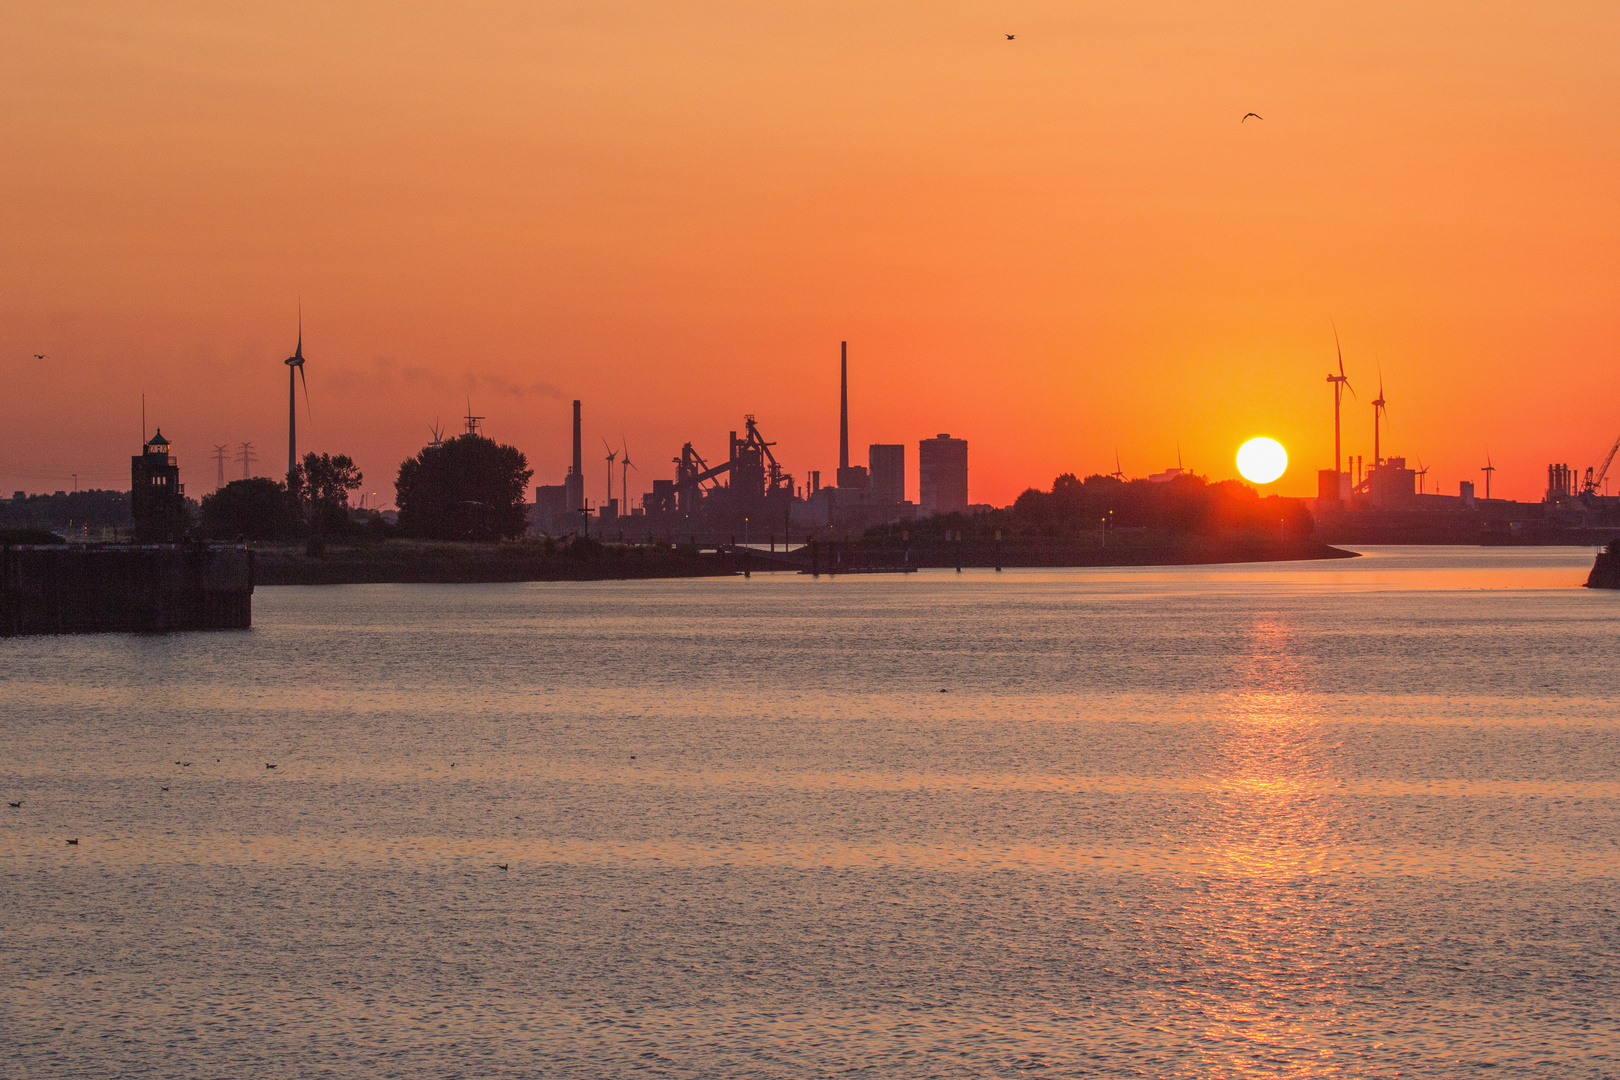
x=1595, y=481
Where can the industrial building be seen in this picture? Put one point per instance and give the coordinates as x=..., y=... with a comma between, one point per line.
x=887, y=476
x=942, y=474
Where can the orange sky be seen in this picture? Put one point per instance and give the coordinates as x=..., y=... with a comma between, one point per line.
x=1052, y=247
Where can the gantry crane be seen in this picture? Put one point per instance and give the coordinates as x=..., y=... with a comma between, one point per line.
x=1595, y=481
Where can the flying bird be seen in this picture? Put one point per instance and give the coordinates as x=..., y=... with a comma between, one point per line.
x=1011, y=36
x=40, y=356
x=1246, y=116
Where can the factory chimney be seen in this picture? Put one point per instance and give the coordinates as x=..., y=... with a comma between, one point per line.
x=843, y=406
x=574, y=485
x=579, y=460
x=851, y=478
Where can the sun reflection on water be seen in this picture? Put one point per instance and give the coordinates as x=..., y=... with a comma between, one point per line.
x=1272, y=915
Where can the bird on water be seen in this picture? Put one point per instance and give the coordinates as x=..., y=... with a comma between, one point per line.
x=500, y=866
x=163, y=789
x=74, y=841
x=15, y=805
x=268, y=765
x=1246, y=116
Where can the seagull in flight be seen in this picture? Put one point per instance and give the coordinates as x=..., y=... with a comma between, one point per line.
x=1246, y=116
x=40, y=356
x=1011, y=36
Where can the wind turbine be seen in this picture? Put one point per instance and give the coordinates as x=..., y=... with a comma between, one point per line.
x=624, y=474
x=295, y=364
x=1379, y=406
x=1119, y=471
x=438, y=434
x=1422, y=471
x=1341, y=383
x=1487, y=469
x=612, y=453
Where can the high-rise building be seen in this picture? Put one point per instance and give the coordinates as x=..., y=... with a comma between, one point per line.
x=942, y=474
x=888, y=475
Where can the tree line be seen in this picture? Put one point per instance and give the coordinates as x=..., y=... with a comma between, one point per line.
x=1075, y=507
x=465, y=488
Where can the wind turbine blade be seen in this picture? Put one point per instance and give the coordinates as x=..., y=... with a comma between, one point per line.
x=1338, y=349
x=307, y=412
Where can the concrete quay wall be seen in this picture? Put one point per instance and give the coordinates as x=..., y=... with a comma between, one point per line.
x=73, y=589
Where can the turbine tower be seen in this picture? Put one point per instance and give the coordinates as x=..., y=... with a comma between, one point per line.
x=611, y=454
x=1487, y=469
x=1341, y=383
x=295, y=375
x=1379, y=406
x=625, y=465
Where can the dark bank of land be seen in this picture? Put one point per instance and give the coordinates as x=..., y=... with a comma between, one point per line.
x=1124, y=547
x=407, y=561
x=452, y=562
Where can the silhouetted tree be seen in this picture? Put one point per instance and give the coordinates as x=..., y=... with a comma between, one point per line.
x=320, y=487
x=257, y=509
x=468, y=488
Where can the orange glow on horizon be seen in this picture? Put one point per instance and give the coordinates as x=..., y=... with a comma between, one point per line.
x=1053, y=247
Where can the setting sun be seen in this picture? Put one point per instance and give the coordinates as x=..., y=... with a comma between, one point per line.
x=1262, y=460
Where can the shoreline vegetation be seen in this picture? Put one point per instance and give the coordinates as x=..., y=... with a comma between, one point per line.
x=395, y=561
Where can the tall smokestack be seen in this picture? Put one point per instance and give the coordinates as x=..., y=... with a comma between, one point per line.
x=579, y=460
x=843, y=405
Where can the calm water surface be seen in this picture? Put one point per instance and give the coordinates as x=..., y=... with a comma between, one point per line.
x=1324, y=819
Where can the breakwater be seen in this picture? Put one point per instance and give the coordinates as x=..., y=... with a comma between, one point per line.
x=72, y=589
x=445, y=562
